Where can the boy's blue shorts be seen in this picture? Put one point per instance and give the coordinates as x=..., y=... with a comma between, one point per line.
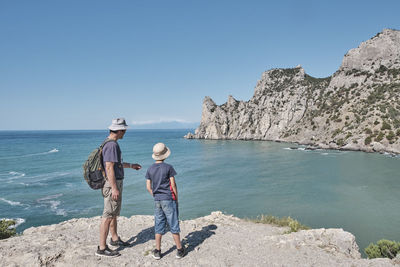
x=166, y=211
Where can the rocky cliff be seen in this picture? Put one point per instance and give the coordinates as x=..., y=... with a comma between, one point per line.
x=213, y=240
x=357, y=108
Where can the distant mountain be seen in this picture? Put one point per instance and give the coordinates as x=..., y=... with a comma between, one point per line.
x=357, y=108
x=165, y=125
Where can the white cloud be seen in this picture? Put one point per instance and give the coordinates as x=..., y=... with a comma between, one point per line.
x=160, y=121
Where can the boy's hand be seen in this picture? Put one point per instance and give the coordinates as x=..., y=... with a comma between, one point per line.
x=136, y=166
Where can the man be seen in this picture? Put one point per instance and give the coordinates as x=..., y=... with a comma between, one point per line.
x=112, y=190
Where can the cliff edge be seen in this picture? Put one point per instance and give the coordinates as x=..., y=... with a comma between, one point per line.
x=357, y=108
x=213, y=240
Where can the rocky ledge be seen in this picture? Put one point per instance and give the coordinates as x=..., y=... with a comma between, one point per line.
x=357, y=108
x=214, y=240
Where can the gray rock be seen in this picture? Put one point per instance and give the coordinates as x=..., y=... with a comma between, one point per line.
x=213, y=240
x=342, y=111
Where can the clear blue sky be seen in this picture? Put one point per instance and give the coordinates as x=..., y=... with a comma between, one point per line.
x=77, y=64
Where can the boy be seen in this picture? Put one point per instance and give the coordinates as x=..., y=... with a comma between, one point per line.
x=161, y=185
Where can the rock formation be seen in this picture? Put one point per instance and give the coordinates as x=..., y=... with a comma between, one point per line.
x=357, y=108
x=213, y=240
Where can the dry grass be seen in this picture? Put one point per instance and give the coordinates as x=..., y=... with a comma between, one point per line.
x=293, y=224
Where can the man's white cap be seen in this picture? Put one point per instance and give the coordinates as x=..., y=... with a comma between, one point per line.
x=118, y=124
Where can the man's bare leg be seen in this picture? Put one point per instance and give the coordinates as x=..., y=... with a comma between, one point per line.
x=113, y=229
x=104, y=228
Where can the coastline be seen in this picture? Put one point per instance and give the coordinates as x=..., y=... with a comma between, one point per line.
x=216, y=239
x=309, y=146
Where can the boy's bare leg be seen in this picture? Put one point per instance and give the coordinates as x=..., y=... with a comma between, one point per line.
x=177, y=239
x=158, y=241
x=113, y=229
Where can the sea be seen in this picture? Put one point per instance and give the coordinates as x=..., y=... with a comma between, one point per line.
x=41, y=181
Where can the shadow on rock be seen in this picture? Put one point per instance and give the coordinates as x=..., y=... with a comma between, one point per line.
x=194, y=239
x=142, y=237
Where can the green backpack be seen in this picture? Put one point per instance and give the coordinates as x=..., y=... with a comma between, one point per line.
x=93, y=169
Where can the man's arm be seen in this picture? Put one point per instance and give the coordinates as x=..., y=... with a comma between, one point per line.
x=148, y=187
x=174, y=188
x=112, y=180
x=132, y=165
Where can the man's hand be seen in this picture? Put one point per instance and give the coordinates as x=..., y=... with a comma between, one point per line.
x=115, y=194
x=136, y=166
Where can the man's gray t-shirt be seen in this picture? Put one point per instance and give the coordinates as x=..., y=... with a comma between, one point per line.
x=159, y=174
x=112, y=153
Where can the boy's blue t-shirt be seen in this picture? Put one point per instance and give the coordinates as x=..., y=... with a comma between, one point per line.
x=159, y=174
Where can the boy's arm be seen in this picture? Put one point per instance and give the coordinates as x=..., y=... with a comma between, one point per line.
x=174, y=188
x=148, y=187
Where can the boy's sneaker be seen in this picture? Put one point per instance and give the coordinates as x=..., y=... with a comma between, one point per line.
x=157, y=254
x=119, y=243
x=180, y=253
x=107, y=252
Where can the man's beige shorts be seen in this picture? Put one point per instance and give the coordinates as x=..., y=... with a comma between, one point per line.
x=112, y=208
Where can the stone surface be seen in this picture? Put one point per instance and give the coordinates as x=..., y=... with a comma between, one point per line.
x=357, y=108
x=213, y=240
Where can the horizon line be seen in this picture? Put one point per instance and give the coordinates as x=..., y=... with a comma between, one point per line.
x=129, y=129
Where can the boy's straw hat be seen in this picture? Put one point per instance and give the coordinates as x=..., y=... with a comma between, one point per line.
x=160, y=151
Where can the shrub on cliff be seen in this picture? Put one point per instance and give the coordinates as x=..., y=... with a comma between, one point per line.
x=340, y=142
x=367, y=131
x=385, y=126
x=390, y=136
x=5, y=230
x=294, y=225
x=368, y=140
x=383, y=249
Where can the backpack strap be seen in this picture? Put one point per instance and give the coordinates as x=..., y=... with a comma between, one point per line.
x=105, y=142
x=101, y=153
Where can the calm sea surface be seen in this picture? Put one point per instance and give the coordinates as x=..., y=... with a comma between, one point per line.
x=41, y=181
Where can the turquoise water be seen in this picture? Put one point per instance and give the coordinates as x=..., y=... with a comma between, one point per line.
x=41, y=181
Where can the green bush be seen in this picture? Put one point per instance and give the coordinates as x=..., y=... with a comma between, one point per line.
x=340, y=142
x=383, y=249
x=396, y=124
x=368, y=140
x=385, y=126
x=382, y=69
x=390, y=136
x=380, y=137
x=353, y=85
x=367, y=131
x=336, y=132
x=5, y=230
x=373, y=251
